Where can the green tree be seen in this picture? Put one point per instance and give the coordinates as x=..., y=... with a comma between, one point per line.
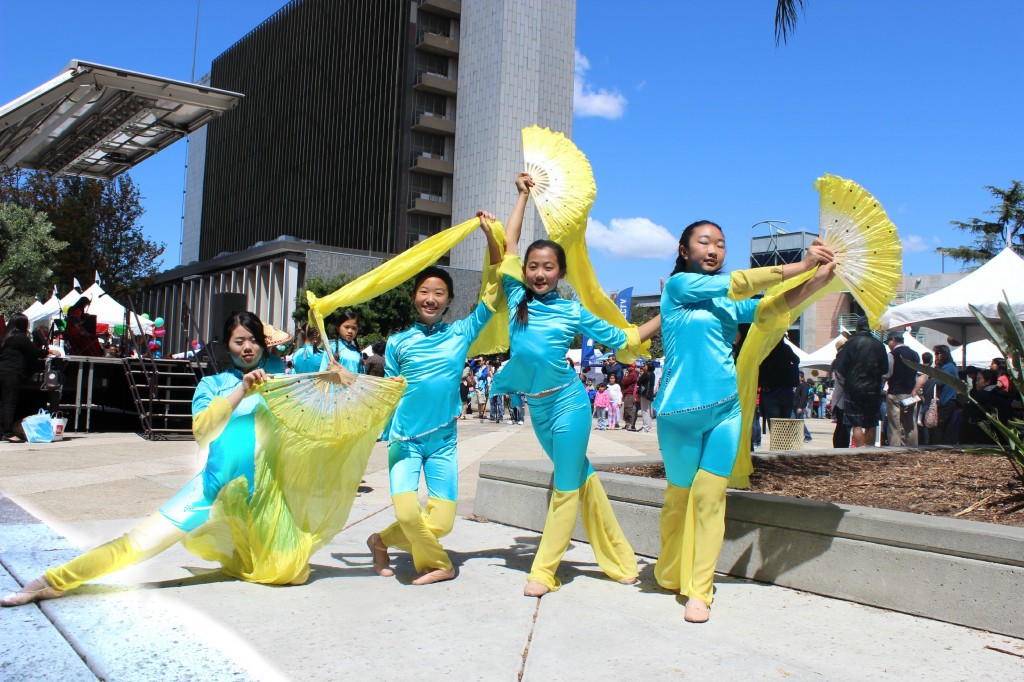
x=641, y=314
x=98, y=221
x=992, y=236
x=386, y=314
x=27, y=252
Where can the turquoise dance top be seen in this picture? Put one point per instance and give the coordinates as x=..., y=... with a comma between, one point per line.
x=306, y=359
x=347, y=355
x=431, y=359
x=232, y=451
x=700, y=315
x=539, y=348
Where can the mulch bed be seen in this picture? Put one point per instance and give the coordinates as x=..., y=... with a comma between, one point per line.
x=941, y=483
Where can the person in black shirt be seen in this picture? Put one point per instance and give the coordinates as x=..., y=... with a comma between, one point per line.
x=901, y=428
x=863, y=364
x=17, y=356
x=778, y=376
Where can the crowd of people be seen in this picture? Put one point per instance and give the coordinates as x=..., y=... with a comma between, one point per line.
x=702, y=315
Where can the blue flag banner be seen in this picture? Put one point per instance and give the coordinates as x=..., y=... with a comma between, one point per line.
x=624, y=300
x=587, y=351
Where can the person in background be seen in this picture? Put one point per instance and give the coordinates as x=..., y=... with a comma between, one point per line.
x=615, y=401
x=943, y=433
x=900, y=415
x=629, y=402
x=801, y=401
x=645, y=394
x=345, y=349
x=17, y=359
x=1002, y=377
x=841, y=434
x=923, y=389
x=863, y=364
x=778, y=376
x=992, y=399
x=307, y=357
x=374, y=364
x=601, y=403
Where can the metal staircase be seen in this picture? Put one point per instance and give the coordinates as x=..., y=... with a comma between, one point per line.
x=163, y=391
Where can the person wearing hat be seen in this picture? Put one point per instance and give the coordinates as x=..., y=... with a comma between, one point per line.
x=863, y=364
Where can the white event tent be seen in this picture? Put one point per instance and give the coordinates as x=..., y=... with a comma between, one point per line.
x=106, y=309
x=946, y=310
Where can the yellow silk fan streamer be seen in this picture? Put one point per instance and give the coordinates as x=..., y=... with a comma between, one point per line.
x=869, y=257
x=388, y=275
x=314, y=435
x=762, y=337
x=564, y=194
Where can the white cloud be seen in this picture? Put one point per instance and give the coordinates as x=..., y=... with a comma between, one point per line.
x=587, y=101
x=632, y=238
x=914, y=243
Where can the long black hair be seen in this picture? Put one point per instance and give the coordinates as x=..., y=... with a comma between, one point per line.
x=16, y=324
x=684, y=241
x=522, y=311
x=250, y=322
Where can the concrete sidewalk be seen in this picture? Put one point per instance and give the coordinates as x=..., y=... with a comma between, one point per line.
x=177, y=617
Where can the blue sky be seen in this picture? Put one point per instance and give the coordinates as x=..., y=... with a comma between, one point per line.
x=686, y=109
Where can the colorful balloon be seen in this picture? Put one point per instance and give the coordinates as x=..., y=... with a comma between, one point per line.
x=119, y=329
x=159, y=331
x=159, y=321
x=144, y=316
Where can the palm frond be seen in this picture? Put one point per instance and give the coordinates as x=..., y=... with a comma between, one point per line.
x=785, y=19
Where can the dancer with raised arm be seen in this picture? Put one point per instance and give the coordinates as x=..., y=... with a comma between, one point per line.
x=422, y=435
x=541, y=327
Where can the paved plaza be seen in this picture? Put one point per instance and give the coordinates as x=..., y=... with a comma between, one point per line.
x=176, y=617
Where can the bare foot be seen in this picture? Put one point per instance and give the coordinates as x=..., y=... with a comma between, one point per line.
x=436, y=576
x=696, y=611
x=381, y=560
x=535, y=589
x=37, y=590
x=629, y=581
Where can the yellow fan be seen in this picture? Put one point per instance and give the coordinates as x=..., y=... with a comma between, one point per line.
x=334, y=405
x=565, y=188
x=869, y=257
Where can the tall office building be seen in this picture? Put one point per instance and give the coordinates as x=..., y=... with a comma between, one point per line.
x=517, y=59
x=366, y=126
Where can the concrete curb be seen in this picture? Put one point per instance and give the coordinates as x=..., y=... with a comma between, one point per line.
x=957, y=571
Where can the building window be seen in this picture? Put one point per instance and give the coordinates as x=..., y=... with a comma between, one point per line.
x=427, y=103
x=427, y=145
x=431, y=63
x=431, y=23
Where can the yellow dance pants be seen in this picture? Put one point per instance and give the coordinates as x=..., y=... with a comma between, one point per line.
x=417, y=531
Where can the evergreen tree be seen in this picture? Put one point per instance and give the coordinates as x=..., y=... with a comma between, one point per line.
x=386, y=314
x=992, y=236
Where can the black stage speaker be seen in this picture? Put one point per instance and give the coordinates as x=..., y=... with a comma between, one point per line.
x=222, y=305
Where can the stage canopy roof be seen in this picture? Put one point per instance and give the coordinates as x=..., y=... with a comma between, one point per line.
x=98, y=121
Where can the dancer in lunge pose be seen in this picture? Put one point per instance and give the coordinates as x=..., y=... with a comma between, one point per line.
x=541, y=327
x=422, y=435
x=222, y=421
x=699, y=417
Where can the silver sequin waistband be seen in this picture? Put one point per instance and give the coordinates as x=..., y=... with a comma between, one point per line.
x=717, y=403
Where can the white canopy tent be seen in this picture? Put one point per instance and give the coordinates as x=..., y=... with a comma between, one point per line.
x=45, y=312
x=979, y=353
x=800, y=352
x=946, y=310
x=109, y=311
x=823, y=357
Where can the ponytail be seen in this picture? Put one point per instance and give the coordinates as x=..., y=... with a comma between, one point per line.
x=523, y=310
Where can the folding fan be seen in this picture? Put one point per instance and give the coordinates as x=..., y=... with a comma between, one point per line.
x=332, y=405
x=565, y=188
x=869, y=257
